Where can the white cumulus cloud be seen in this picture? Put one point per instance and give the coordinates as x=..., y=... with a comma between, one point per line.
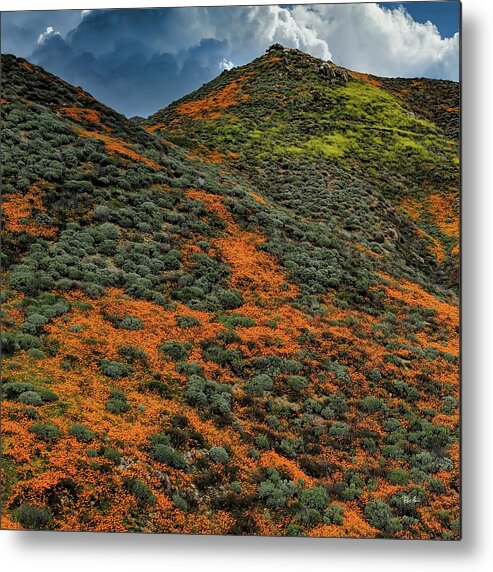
x=50, y=32
x=226, y=64
x=374, y=39
x=253, y=28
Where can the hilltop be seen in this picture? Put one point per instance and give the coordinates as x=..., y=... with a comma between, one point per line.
x=237, y=316
x=394, y=139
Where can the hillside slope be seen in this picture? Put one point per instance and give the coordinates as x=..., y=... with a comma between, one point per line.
x=301, y=127
x=237, y=317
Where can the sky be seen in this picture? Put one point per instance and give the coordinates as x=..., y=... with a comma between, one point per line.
x=445, y=15
x=140, y=60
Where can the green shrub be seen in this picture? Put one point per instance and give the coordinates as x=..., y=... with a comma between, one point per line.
x=262, y=441
x=114, y=369
x=295, y=530
x=32, y=517
x=131, y=323
x=189, y=368
x=339, y=370
x=94, y=290
x=315, y=497
x=34, y=324
x=436, y=486
x=375, y=375
x=15, y=341
x=112, y=455
x=380, y=515
x=117, y=402
x=449, y=405
x=236, y=487
x=132, y=354
x=224, y=356
x=166, y=454
x=187, y=322
x=177, y=436
x=81, y=433
x=253, y=453
x=335, y=405
x=35, y=353
x=394, y=452
x=354, y=488
x=229, y=337
x=391, y=424
x=46, y=394
x=118, y=394
x=219, y=455
x=177, y=351
x=236, y=320
x=428, y=435
x=398, y=477
x=276, y=491
x=140, y=491
x=373, y=405
x=339, y=429
x=14, y=390
x=405, y=391
x=117, y=406
x=30, y=398
x=31, y=413
x=292, y=447
x=258, y=384
x=369, y=445
x=46, y=431
x=204, y=393
x=229, y=299
x=334, y=514
x=273, y=422
x=160, y=439
x=179, y=501
x=309, y=516
x=274, y=365
x=297, y=382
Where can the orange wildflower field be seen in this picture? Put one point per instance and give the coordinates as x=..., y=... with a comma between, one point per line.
x=237, y=316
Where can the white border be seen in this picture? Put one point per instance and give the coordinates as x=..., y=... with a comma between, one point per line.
x=82, y=552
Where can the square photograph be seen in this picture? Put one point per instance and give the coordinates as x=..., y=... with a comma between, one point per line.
x=231, y=270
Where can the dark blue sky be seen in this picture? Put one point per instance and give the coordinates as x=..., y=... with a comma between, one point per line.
x=139, y=60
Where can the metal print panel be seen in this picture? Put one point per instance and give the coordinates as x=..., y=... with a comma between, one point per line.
x=231, y=270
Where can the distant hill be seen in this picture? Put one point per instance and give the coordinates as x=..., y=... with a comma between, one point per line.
x=237, y=316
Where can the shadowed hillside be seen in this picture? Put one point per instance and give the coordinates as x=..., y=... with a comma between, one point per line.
x=238, y=316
